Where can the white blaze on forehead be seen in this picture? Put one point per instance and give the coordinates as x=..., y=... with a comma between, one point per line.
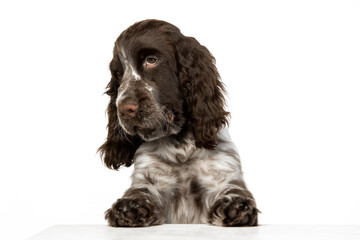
x=130, y=75
x=129, y=68
x=134, y=73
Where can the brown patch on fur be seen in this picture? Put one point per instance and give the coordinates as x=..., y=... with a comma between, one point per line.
x=149, y=179
x=197, y=192
x=180, y=158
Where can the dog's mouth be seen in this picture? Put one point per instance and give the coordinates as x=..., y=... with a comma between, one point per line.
x=152, y=126
x=138, y=128
x=143, y=130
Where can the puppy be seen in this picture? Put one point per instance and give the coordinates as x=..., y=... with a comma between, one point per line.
x=167, y=118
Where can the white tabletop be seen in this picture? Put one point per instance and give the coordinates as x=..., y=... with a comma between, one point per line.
x=197, y=231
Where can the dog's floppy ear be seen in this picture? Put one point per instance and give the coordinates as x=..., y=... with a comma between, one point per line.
x=203, y=90
x=119, y=147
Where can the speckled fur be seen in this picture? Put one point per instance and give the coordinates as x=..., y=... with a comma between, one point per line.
x=185, y=182
x=169, y=120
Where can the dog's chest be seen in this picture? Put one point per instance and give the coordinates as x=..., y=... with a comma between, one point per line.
x=172, y=173
x=182, y=178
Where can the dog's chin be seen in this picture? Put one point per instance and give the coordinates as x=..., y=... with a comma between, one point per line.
x=149, y=134
x=153, y=133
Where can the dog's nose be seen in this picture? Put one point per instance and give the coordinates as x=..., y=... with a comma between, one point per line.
x=128, y=110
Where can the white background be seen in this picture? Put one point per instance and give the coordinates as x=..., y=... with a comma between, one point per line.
x=292, y=70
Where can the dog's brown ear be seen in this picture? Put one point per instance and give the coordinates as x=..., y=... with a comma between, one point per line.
x=203, y=90
x=119, y=147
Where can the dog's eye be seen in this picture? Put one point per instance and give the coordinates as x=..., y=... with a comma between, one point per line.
x=151, y=61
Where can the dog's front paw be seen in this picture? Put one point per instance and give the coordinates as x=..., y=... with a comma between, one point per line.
x=233, y=211
x=128, y=212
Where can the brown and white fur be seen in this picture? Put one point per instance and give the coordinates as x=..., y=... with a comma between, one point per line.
x=166, y=116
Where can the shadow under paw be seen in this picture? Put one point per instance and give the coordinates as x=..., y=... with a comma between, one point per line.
x=127, y=212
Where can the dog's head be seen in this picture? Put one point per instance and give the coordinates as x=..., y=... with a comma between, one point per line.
x=163, y=84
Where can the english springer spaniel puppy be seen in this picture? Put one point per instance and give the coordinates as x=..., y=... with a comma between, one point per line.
x=166, y=116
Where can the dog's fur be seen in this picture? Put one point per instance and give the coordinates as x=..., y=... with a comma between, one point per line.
x=166, y=116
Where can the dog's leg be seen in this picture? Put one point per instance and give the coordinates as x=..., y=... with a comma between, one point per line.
x=146, y=202
x=235, y=206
